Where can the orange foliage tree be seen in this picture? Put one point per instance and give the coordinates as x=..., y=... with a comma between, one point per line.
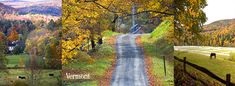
x=13, y=36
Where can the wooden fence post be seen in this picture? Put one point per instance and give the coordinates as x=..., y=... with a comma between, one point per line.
x=228, y=78
x=164, y=62
x=184, y=64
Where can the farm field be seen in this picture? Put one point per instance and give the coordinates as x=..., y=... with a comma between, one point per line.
x=200, y=55
x=21, y=60
x=43, y=78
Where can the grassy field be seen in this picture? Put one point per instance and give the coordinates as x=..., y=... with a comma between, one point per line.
x=22, y=60
x=14, y=60
x=43, y=78
x=219, y=66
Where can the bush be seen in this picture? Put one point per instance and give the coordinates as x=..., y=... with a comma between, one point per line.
x=18, y=50
x=232, y=56
x=104, y=50
x=83, y=57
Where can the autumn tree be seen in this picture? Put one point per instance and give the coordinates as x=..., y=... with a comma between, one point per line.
x=53, y=54
x=13, y=36
x=84, y=20
x=38, y=39
x=188, y=21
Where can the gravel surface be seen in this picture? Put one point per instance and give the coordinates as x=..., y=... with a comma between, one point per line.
x=130, y=67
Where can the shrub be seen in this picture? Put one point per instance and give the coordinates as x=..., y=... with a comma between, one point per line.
x=83, y=57
x=18, y=50
x=104, y=50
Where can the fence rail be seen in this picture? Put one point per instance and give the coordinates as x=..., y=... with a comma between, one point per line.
x=206, y=71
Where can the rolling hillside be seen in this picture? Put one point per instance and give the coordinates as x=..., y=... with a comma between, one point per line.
x=22, y=7
x=4, y=9
x=221, y=25
x=219, y=33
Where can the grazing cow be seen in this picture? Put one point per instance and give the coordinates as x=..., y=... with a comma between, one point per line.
x=21, y=77
x=213, y=55
x=51, y=74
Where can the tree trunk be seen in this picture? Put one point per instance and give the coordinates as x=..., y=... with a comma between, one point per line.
x=100, y=41
x=114, y=22
x=92, y=44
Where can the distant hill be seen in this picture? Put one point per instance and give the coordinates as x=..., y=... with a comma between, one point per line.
x=49, y=7
x=219, y=33
x=48, y=10
x=4, y=9
x=220, y=26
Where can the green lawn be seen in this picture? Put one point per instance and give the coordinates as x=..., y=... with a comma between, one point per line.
x=219, y=66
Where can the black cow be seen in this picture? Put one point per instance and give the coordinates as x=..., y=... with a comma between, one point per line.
x=213, y=55
x=21, y=77
x=51, y=74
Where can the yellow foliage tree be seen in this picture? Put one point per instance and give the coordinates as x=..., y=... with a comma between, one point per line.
x=85, y=20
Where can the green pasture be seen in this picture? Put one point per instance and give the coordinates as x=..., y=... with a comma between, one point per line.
x=218, y=66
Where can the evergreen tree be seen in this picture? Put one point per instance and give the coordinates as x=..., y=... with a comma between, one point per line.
x=51, y=25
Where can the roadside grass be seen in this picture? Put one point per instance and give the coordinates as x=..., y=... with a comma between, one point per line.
x=152, y=49
x=156, y=46
x=43, y=78
x=109, y=33
x=97, y=69
x=85, y=83
x=102, y=59
x=218, y=66
x=161, y=30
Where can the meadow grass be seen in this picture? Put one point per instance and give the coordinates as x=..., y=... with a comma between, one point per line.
x=218, y=66
x=14, y=60
x=43, y=77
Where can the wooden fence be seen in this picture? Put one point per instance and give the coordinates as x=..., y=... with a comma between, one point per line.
x=227, y=82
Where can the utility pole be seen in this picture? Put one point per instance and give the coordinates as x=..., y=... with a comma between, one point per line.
x=133, y=14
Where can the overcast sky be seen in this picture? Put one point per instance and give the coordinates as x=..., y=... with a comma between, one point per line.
x=219, y=9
